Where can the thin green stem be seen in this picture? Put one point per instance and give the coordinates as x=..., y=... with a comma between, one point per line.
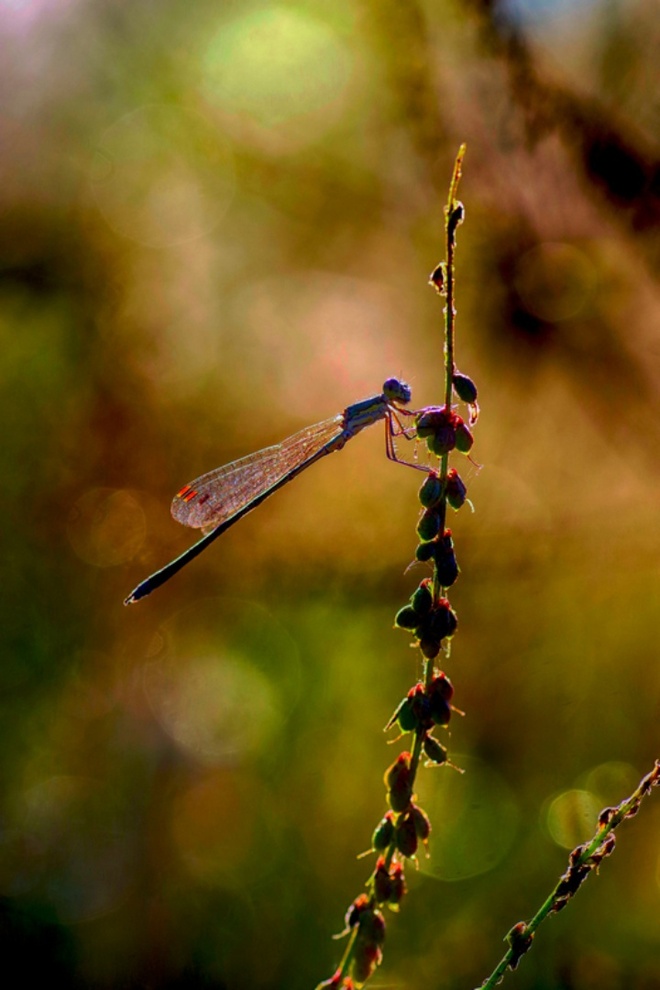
x=450, y=242
x=449, y=333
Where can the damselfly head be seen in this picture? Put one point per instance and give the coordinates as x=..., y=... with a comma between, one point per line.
x=395, y=390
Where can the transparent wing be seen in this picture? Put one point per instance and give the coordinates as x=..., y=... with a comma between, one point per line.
x=215, y=497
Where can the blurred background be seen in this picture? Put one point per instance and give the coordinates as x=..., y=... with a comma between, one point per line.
x=217, y=222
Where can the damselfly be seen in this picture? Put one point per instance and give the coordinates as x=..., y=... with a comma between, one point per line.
x=217, y=500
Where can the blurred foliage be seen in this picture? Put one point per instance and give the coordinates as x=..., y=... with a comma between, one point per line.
x=216, y=226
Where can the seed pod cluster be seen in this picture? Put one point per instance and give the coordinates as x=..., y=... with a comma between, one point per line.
x=367, y=951
x=430, y=622
x=425, y=706
x=443, y=429
x=389, y=884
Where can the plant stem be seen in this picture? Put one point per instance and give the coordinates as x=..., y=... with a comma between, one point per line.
x=588, y=856
x=450, y=321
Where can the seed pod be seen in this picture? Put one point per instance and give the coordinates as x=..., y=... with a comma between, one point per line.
x=440, y=693
x=422, y=598
x=398, y=886
x=464, y=387
x=406, y=716
x=436, y=425
x=428, y=526
x=405, y=836
x=372, y=927
x=455, y=490
x=383, y=833
x=382, y=882
x=357, y=908
x=441, y=621
x=435, y=752
x=430, y=647
x=455, y=219
x=442, y=442
x=432, y=419
x=445, y=560
x=464, y=438
x=406, y=618
x=520, y=940
x=424, y=552
x=420, y=702
x=365, y=961
x=440, y=710
x=431, y=491
x=399, y=783
x=421, y=822
x=437, y=278
x=442, y=686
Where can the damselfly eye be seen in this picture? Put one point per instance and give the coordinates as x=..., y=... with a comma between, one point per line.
x=397, y=391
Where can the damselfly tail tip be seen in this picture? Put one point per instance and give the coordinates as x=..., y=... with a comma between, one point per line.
x=135, y=595
x=143, y=589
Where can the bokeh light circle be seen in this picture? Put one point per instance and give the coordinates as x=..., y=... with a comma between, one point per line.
x=221, y=832
x=474, y=818
x=162, y=175
x=216, y=707
x=611, y=782
x=223, y=679
x=106, y=527
x=80, y=858
x=571, y=817
x=278, y=70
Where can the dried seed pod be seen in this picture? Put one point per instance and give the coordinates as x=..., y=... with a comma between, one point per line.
x=440, y=693
x=464, y=438
x=455, y=219
x=456, y=490
x=355, y=911
x=405, y=715
x=398, y=780
x=441, y=685
x=431, y=491
x=383, y=833
x=425, y=552
x=398, y=886
x=440, y=622
x=464, y=387
x=429, y=525
x=445, y=560
x=434, y=751
x=422, y=823
x=382, y=882
x=430, y=647
x=406, y=618
x=438, y=277
x=422, y=598
x=405, y=836
x=372, y=927
x=431, y=419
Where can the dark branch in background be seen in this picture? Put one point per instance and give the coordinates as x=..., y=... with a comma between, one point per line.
x=396, y=31
x=621, y=166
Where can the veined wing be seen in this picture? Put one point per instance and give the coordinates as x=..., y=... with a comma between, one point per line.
x=216, y=496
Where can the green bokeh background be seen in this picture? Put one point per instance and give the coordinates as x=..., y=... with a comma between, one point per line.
x=216, y=225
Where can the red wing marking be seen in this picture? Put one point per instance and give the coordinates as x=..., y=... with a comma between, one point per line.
x=186, y=494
